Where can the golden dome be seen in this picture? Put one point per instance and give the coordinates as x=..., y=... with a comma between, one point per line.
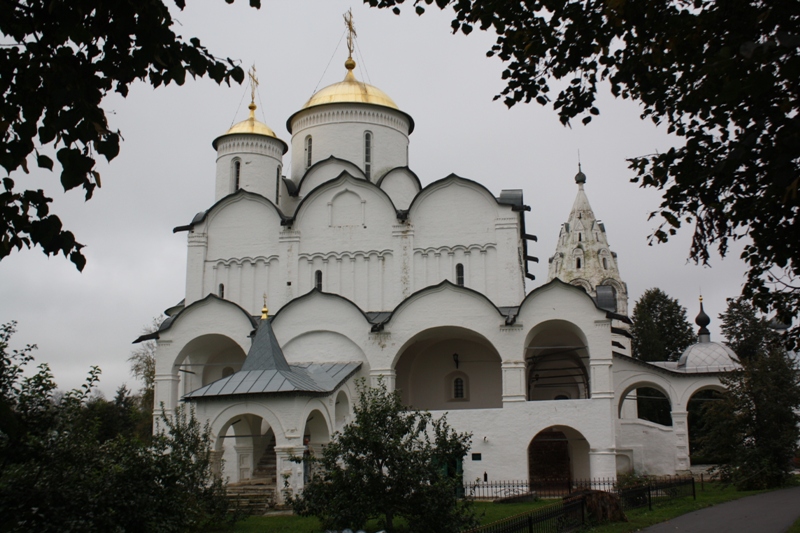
x=252, y=126
x=350, y=90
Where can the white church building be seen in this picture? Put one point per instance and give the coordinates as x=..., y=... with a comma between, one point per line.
x=369, y=274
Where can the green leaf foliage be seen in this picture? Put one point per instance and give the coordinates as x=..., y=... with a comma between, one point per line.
x=660, y=329
x=388, y=463
x=722, y=76
x=755, y=427
x=74, y=462
x=58, y=61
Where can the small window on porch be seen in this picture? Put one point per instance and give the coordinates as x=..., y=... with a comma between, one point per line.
x=318, y=280
x=221, y=290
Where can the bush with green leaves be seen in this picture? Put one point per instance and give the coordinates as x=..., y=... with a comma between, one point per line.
x=389, y=463
x=66, y=464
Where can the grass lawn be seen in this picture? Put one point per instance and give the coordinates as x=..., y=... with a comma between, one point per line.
x=485, y=511
x=641, y=518
x=488, y=512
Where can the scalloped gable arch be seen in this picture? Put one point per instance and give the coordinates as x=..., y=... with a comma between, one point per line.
x=394, y=170
x=443, y=285
x=557, y=284
x=313, y=169
x=309, y=296
x=342, y=178
x=224, y=202
x=210, y=298
x=440, y=185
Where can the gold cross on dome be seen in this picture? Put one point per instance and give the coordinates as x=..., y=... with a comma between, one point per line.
x=253, y=83
x=351, y=30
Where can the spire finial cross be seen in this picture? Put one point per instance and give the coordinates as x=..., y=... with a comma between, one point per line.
x=253, y=84
x=351, y=31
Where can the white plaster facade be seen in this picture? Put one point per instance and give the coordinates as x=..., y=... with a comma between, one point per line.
x=423, y=286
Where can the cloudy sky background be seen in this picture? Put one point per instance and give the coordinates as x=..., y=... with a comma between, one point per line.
x=165, y=171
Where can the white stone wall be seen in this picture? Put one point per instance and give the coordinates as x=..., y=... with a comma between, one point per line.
x=260, y=158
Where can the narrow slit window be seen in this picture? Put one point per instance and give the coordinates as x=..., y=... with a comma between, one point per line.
x=318, y=280
x=368, y=155
x=580, y=237
x=277, y=185
x=605, y=264
x=578, y=262
x=458, y=388
x=460, y=275
x=308, y=151
x=237, y=170
x=221, y=291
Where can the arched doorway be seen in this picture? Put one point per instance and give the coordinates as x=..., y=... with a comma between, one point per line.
x=205, y=359
x=556, y=456
x=556, y=358
x=450, y=368
x=699, y=424
x=246, y=444
x=646, y=401
x=315, y=436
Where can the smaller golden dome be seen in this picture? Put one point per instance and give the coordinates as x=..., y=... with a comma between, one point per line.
x=350, y=90
x=251, y=125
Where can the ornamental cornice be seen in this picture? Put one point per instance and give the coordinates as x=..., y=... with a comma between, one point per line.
x=250, y=144
x=337, y=115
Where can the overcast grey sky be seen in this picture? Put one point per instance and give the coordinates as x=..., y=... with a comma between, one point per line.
x=165, y=171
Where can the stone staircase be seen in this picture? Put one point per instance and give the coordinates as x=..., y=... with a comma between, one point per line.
x=256, y=496
x=266, y=470
x=251, y=497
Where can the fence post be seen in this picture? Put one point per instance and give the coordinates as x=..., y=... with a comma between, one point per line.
x=694, y=494
x=702, y=485
x=649, y=498
x=530, y=524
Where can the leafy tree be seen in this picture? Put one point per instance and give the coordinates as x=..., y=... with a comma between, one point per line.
x=755, y=428
x=660, y=329
x=65, y=467
x=721, y=75
x=143, y=364
x=58, y=60
x=389, y=463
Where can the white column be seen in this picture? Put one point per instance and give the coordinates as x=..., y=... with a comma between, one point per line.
x=513, y=381
x=290, y=471
x=680, y=424
x=603, y=463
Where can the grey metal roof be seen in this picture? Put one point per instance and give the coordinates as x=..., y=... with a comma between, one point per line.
x=266, y=371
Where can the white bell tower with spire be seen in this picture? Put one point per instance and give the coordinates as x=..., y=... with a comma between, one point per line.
x=583, y=257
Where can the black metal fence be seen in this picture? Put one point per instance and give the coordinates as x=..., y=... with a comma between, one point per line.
x=570, y=513
x=559, y=488
x=560, y=517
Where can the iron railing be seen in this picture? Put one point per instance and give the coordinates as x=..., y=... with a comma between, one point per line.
x=570, y=513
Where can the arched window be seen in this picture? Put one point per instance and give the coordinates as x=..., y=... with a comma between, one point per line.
x=458, y=389
x=318, y=280
x=580, y=237
x=368, y=154
x=605, y=264
x=577, y=262
x=237, y=171
x=277, y=185
x=308, y=151
x=221, y=291
x=460, y=275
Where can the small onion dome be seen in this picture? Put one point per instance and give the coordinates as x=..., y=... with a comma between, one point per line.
x=251, y=126
x=580, y=177
x=708, y=357
x=350, y=91
x=702, y=320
